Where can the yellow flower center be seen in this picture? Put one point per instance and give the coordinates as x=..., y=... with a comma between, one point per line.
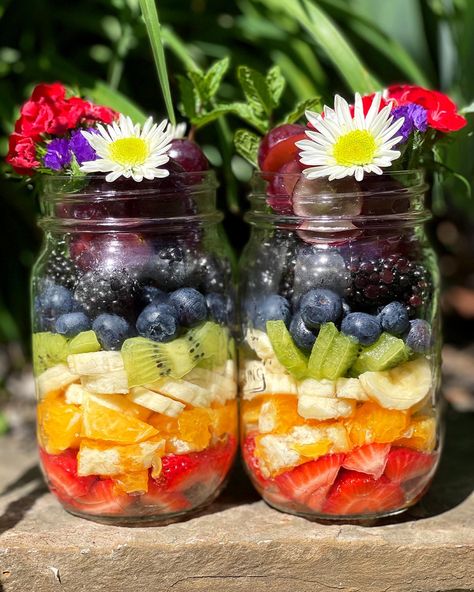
x=355, y=148
x=129, y=151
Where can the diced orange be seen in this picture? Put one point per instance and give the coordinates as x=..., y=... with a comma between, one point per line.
x=372, y=423
x=132, y=482
x=224, y=419
x=314, y=450
x=101, y=422
x=251, y=410
x=280, y=414
x=422, y=434
x=166, y=426
x=124, y=405
x=194, y=428
x=59, y=424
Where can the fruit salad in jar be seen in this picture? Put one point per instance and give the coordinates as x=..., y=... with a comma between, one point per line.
x=339, y=355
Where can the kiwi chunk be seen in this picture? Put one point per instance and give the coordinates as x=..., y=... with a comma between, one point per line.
x=321, y=348
x=84, y=342
x=49, y=349
x=212, y=341
x=340, y=357
x=387, y=352
x=285, y=349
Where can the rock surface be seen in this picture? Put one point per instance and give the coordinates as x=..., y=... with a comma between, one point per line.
x=239, y=543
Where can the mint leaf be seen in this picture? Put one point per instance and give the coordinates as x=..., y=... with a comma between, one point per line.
x=208, y=117
x=213, y=77
x=256, y=91
x=247, y=144
x=313, y=104
x=197, y=79
x=188, y=97
x=276, y=84
x=245, y=112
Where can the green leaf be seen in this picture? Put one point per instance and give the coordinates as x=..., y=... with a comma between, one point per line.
x=256, y=90
x=313, y=104
x=247, y=144
x=197, y=79
x=214, y=76
x=276, y=84
x=152, y=23
x=245, y=112
x=204, y=119
x=188, y=98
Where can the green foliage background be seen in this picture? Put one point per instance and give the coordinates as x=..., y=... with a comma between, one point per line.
x=321, y=46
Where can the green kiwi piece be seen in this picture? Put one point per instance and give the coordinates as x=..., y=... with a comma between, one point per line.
x=285, y=349
x=84, y=342
x=49, y=349
x=340, y=357
x=213, y=342
x=328, y=333
x=387, y=352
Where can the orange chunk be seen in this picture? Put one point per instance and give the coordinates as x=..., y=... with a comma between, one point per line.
x=166, y=426
x=251, y=410
x=279, y=414
x=136, y=482
x=224, y=419
x=194, y=428
x=59, y=424
x=104, y=422
x=372, y=423
x=421, y=434
x=315, y=449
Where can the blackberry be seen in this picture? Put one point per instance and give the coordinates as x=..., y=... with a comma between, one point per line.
x=61, y=269
x=379, y=281
x=214, y=274
x=109, y=291
x=170, y=267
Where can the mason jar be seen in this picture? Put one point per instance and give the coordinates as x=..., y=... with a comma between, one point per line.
x=340, y=345
x=133, y=352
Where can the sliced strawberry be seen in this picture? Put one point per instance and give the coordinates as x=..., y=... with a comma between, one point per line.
x=61, y=472
x=252, y=462
x=163, y=502
x=370, y=459
x=404, y=464
x=308, y=483
x=103, y=499
x=356, y=493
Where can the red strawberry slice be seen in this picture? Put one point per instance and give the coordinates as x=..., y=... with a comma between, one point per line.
x=308, y=483
x=163, y=502
x=370, y=459
x=356, y=493
x=103, y=499
x=404, y=464
x=61, y=471
x=252, y=462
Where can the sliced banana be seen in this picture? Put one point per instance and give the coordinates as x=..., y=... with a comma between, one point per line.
x=95, y=362
x=260, y=343
x=75, y=393
x=317, y=388
x=183, y=391
x=322, y=408
x=221, y=387
x=155, y=401
x=255, y=380
x=55, y=378
x=350, y=388
x=115, y=381
x=399, y=388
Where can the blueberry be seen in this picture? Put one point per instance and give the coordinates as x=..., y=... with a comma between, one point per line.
x=364, y=327
x=149, y=294
x=170, y=267
x=394, y=318
x=111, y=330
x=320, y=306
x=217, y=306
x=320, y=268
x=419, y=337
x=158, y=322
x=52, y=302
x=72, y=323
x=190, y=306
x=271, y=308
x=302, y=336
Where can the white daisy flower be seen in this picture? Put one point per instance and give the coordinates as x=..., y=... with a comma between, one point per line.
x=128, y=150
x=179, y=131
x=344, y=145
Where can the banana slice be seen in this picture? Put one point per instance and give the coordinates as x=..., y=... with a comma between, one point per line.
x=260, y=343
x=350, y=388
x=156, y=402
x=74, y=394
x=317, y=388
x=322, y=408
x=115, y=381
x=183, y=391
x=55, y=378
x=255, y=380
x=221, y=387
x=399, y=388
x=95, y=362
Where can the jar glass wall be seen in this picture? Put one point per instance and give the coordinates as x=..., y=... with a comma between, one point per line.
x=340, y=349
x=133, y=355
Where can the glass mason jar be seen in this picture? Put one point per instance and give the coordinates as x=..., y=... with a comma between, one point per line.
x=133, y=355
x=340, y=349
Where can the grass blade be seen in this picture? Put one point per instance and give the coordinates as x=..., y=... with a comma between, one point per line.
x=152, y=23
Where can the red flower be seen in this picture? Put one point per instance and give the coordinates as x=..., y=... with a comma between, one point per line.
x=54, y=92
x=22, y=154
x=442, y=111
x=100, y=113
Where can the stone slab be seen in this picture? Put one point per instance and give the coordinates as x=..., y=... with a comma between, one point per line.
x=239, y=543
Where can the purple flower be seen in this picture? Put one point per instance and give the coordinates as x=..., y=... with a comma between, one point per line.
x=416, y=118
x=57, y=154
x=81, y=148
